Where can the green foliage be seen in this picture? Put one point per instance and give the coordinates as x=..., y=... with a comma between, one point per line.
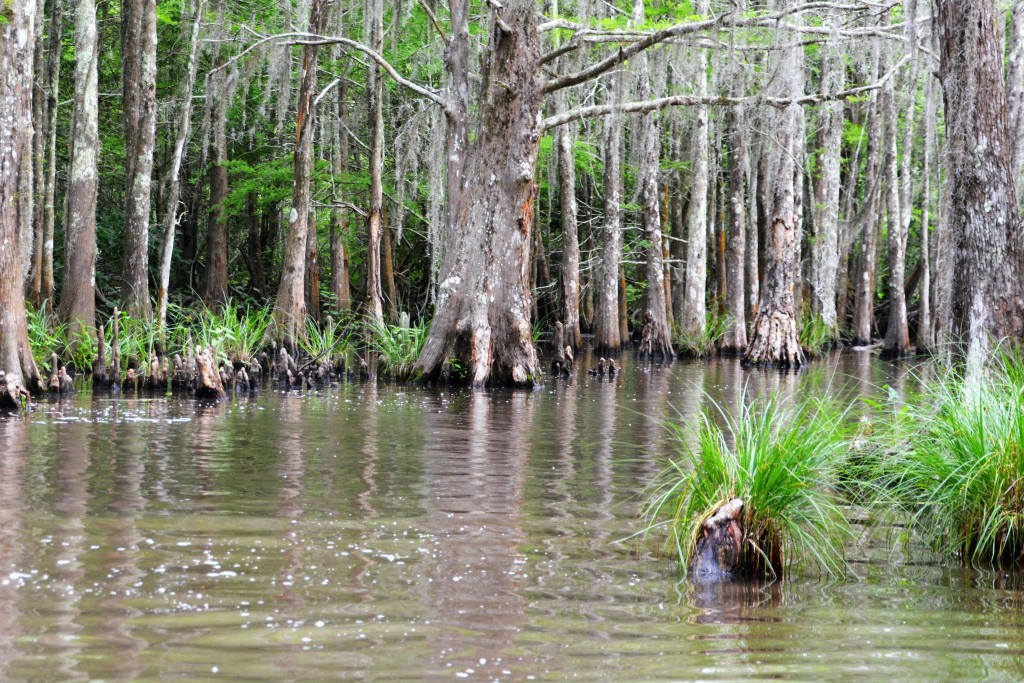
x=952, y=464
x=816, y=335
x=46, y=336
x=397, y=347
x=326, y=341
x=702, y=343
x=236, y=333
x=779, y=460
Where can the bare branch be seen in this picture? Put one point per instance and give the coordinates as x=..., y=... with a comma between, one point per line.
x=649, y=106
x=725, y=20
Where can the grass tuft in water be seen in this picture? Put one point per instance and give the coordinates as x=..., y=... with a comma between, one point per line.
x=816, y=335
x=702, y=344
x=953, y=465
x=397, y=347
x=778, y=459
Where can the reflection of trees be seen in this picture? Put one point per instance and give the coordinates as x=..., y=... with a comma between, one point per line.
x=474, y=477
x=12, y=551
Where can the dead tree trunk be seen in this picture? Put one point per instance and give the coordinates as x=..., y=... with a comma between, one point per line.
x=138, y=58
x=78, y=295
x=290, y=307
x=339, y=216
x=483, y=313
x=774, y=339
x=16, y=46
x=988, y=291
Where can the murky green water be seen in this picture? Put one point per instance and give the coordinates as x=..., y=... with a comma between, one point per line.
x=383, y=533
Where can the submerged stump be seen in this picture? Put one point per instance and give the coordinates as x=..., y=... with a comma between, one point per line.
x=718, y=553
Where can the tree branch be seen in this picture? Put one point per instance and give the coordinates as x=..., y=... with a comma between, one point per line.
x=648, y=106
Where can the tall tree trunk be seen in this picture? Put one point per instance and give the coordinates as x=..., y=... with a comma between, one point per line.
x=901, y=193
x=570, y=274
x=78, y=295
x=339, y=216
x=825, y=250
x=692, y=316
x=607, y=331
x=215, y=281
x=374, y=304
x=138, y=58
x=53, y=62
x=735, y=338
x=483, y=314
x=183, y=128
x=1015, y=93
x=774, y=337
x=988, y=291
x=16, y=47
x=925, y=325
x=864, y=299
x=290, y=306
x=656, y=339
x=39, y=128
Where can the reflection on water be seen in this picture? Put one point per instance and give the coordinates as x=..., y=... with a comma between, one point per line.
x=375, y=532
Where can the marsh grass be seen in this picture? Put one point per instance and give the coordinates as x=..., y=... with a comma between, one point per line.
x=46, y=336
x=236, y=332
x=702, y=344
x=816, y=336
x=779, y=460
x=397, y=348
x=952, y=464
x=327, y=341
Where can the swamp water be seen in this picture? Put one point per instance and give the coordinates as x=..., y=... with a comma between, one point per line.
x=378, y=532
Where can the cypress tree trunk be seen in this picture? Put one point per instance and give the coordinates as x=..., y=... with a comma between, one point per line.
x=53, y=61
x=607, y=331
x=692, y=315
x=77, y=298
x=774, y=338
x=825, y=250
x=138, y=58
x=570, y=275
x=988, y=290
x=339, y=216
x=16, y=47
x=656, y=339
x=215, y=282
x=290, y=306
x=374, y=304
x=483, y=313
x=735, y=338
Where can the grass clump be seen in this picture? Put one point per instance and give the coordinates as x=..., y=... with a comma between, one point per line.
x=953, y=465
x=397, y=347
x=816, y=336
x=327, y=341
x=702, y=344
x=779, y=460
x=236, y=332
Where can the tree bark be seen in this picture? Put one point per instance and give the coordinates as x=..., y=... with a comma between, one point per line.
x=607, y=331
x=339, y=216
x=17, y=44
x=774, y=339
x=290, y=306
x=138, y=58
x=735, y=338
x=483, y=312
x=39, y=117
x=570, y=274
x=215, y=281
x=183, y=129
x=1015, y=93
x=374, y=304
x=825, y=222
x=656, y=339
x=988, y=290
x=692, y=316
x=53, y=62
x=78, y=295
